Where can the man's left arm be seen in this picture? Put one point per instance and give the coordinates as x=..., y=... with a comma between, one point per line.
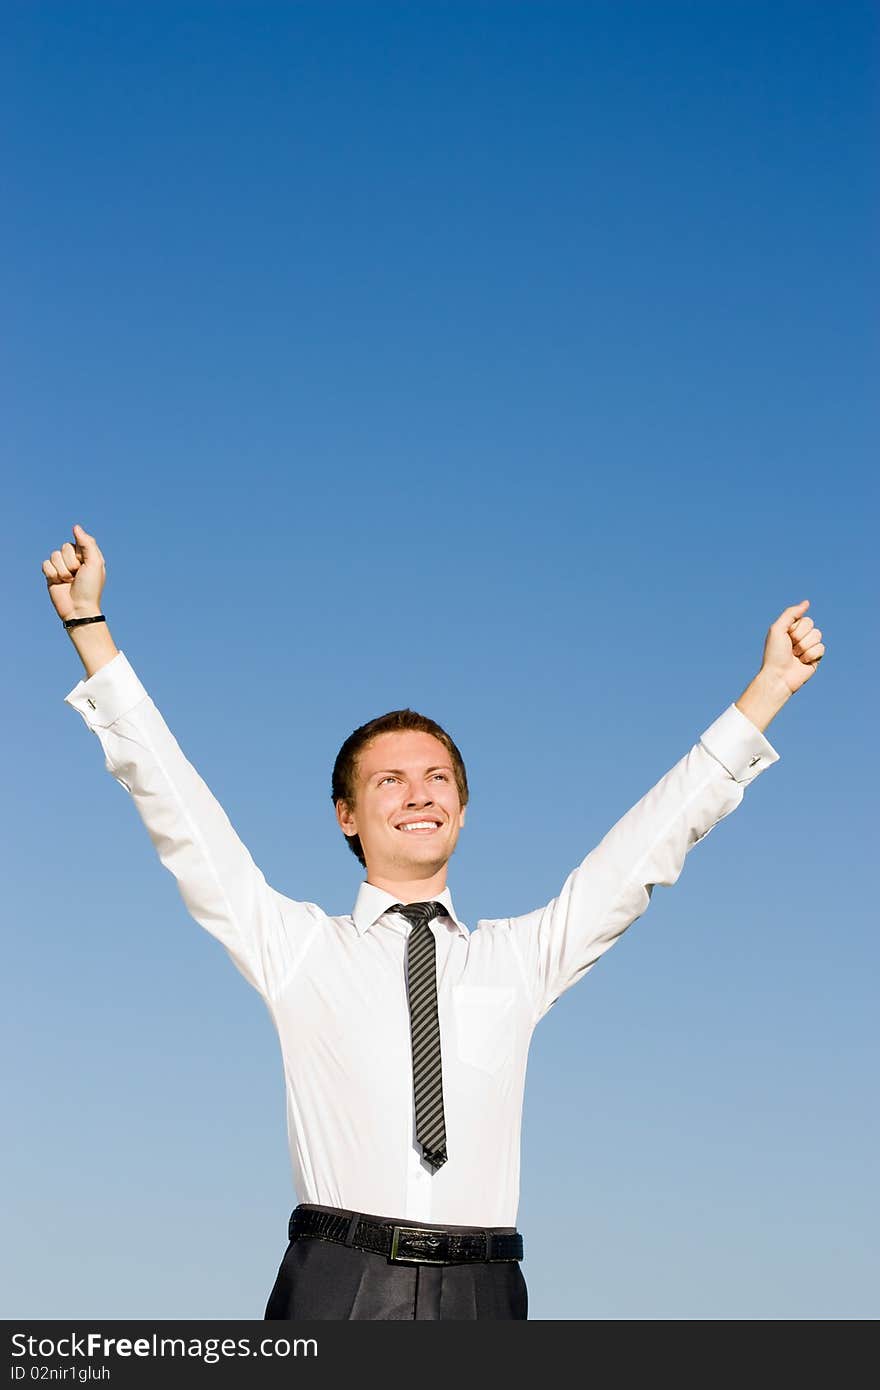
x=557, y=944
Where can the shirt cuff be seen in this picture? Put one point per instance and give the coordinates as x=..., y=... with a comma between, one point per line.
x=107, y=695
x=738, y=745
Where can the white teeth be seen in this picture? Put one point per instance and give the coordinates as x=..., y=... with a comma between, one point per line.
x=419, y=825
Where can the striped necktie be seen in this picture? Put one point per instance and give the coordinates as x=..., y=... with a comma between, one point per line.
x=421, y=981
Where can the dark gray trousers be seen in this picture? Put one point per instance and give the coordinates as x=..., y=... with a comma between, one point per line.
x=321, y=1279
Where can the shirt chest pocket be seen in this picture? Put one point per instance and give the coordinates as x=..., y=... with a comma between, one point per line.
x=484, y=1025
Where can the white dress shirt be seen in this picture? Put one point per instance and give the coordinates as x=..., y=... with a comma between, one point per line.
x=335, y=987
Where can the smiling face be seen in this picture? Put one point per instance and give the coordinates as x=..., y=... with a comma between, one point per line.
x=405, y=778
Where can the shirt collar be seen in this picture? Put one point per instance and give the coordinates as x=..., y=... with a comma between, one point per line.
x=372, y=902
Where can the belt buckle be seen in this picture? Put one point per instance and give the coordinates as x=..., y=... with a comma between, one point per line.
x=424, y=1245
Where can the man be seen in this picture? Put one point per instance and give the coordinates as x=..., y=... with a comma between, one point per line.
x=405, y=1034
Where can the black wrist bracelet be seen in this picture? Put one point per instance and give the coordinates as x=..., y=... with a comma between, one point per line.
x=76, y=622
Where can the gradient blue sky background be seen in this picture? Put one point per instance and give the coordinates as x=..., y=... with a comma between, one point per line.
x=510, y=361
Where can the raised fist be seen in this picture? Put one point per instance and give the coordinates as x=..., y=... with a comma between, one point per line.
x=75, y=577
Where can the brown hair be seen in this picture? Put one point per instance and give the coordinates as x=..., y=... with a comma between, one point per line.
x=345, y=769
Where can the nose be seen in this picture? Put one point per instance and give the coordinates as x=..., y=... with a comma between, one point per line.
x=415, y=800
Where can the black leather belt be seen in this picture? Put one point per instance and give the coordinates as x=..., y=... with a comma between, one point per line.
x=408, y=1244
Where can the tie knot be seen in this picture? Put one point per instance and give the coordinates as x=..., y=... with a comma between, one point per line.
x=419, y=914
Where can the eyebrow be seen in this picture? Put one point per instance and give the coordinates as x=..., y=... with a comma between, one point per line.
x=399, y=772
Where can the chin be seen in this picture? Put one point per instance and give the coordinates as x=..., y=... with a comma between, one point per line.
x=431, y=860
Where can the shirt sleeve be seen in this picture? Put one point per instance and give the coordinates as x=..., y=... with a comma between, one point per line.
x=612, y=887
x=219, y=882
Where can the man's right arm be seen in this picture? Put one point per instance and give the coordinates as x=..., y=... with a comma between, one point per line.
x=223, y=889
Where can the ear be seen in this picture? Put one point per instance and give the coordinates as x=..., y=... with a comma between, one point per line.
x=346, y=818
x=461, y=815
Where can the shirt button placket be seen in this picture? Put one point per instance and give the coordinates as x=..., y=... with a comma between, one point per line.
x=418, y=1189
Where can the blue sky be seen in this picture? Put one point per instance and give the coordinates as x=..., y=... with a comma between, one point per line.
x=510, y=361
